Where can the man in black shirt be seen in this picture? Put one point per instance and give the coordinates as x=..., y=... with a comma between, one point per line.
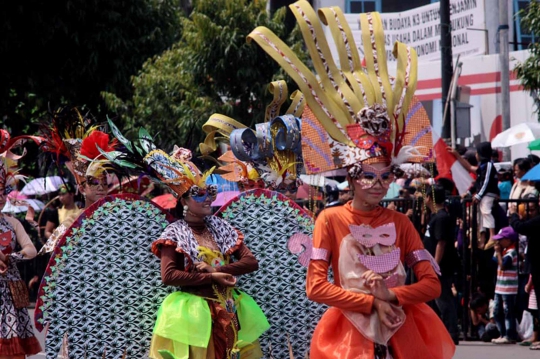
x=439, y=240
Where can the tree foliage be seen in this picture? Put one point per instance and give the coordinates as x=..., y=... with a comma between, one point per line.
x=67, y=52
x=529, y=71
x=210, y=70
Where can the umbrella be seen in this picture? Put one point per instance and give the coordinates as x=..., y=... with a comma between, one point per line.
x=18, y=202
x=522, y=133
x=318, y=181
x=413, y=170
x=133, y=184
x=44, y=185
x=166, y=201
x=224, y=197
x=533, y=174
x=535, y=145
x=305, y=190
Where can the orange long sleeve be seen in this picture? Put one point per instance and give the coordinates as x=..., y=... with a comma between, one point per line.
x=427, y=288
x=320, y=290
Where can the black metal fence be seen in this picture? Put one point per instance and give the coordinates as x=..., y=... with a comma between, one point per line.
x=474, y=270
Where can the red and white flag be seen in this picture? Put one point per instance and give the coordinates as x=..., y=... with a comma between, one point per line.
x=448, y=166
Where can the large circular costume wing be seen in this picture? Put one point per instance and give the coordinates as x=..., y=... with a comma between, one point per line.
x=278, y=232
x=102, y=287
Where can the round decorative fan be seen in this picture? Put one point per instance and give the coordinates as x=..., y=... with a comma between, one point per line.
x=278, y=232
x=102, y=288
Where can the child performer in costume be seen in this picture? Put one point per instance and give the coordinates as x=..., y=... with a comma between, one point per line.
x=355, y=119
x=17, y=338
x=209, y=317
x=71, y=140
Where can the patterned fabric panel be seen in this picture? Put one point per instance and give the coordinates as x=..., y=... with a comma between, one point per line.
x=268, y=220
x=103, y=285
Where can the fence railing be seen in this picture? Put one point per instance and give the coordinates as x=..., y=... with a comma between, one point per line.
x=469, y=277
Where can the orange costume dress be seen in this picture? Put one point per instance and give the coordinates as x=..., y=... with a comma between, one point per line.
x=422, y=336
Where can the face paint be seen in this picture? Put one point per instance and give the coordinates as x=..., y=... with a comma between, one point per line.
x=200, y=194
x=370, y=176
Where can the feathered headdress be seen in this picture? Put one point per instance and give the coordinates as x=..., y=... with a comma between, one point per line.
x=142, y=157
x=74, y=140
x=9, y=172
x=270, y=155
x=352, y=114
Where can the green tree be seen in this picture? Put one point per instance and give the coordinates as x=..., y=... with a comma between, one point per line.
x=529, y=71
x=211, y=69
x=67, y=52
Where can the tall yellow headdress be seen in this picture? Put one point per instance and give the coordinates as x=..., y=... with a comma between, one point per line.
x=353, y=114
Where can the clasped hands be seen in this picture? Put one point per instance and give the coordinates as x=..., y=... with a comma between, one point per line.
x=223, y=279
x=383, y=296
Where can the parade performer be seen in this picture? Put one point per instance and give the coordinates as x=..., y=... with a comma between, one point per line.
x=71, y=139
x=209, y=317
x=276, y=229
x=101, y=289
x=17, y=338
x=355, y=118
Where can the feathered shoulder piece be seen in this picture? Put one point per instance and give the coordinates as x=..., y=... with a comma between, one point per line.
x=142, y=157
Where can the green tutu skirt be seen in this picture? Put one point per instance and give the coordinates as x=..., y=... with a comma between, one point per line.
x=184, y=320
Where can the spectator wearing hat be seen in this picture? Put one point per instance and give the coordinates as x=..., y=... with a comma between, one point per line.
x=507, y=285
x=66, y=195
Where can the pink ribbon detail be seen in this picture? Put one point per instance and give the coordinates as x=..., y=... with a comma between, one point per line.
x=302, y=245
x=422, y=255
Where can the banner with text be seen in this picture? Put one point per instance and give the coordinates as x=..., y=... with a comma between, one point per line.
x=421, y=28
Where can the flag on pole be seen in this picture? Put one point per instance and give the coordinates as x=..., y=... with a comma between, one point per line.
x=448, y=166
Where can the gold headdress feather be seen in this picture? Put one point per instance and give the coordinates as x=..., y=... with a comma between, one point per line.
x=360, y=109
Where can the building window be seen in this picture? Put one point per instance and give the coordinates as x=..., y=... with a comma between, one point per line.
x=523, y=36
x=361, y=6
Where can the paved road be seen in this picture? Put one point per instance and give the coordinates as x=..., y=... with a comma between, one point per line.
x=479, y=350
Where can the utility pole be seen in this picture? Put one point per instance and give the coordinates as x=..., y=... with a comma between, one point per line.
x=505, y=70
x=446, y=63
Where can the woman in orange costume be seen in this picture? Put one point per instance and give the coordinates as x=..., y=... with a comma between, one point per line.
x=360, y=118
x=420, y=333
